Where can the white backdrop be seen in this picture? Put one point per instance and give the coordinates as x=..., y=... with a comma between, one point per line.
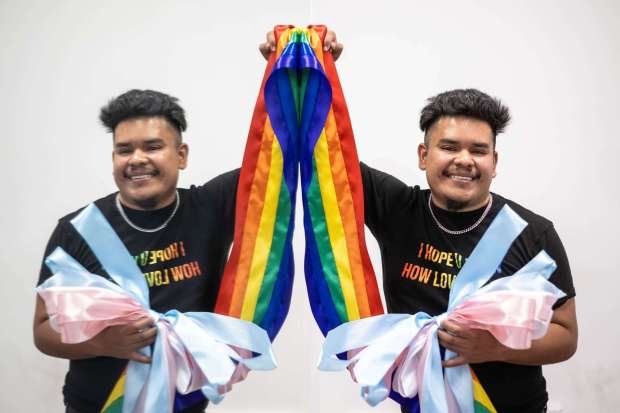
x=556, y=64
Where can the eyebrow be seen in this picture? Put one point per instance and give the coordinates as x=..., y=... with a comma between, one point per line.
x=449, y=141
x=456, y=142
x=147, y=142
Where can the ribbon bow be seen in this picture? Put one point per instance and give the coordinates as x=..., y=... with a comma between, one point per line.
x=192, y=351
x=402, y=351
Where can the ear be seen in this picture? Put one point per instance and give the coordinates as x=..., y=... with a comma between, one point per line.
x=495, y=157
x=422, y=153
x=183, y=153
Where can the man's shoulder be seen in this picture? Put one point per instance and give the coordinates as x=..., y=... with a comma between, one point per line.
x=533, y=219
x=223, y=181
x=103, y=203
x=383, y=179
x=220, y=190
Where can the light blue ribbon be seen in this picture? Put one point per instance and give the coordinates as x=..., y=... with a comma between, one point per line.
x=206, y=336
x=385, y=337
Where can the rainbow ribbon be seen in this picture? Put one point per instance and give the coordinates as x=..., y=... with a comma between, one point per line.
x=258, y=278
x=341, y=283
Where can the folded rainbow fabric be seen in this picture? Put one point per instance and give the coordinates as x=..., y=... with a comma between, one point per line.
x=341, y=283
x=194, y=351
x=400, y=352
x=258, y=278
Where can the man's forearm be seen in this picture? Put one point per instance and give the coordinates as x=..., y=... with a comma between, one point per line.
x=559, y=344
x=474, y=346
x=47, y=340
x=556, y=346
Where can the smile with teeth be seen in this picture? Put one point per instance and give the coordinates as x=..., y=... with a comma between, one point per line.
x=141, y=177
x=461, y=178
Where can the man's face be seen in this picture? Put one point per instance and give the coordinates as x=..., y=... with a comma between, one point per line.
x=459, y=161
x=146, y=161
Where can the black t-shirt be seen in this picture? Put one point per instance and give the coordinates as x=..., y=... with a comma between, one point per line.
x=182, y=264
x=420, y=262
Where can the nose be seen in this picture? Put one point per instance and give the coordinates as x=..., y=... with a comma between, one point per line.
x=138, y=157
x=464, y=158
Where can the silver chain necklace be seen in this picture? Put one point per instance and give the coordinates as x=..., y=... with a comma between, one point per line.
x=134, y=226
x=460, y=231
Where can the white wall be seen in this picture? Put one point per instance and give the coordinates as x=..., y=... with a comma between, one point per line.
x=555, y=63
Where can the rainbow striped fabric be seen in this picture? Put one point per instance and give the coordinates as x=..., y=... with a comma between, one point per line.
x=482, y=403
x=341, y=282
x=258, y=278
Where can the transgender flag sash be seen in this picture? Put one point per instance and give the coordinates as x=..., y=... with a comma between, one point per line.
x=197, y=354
x=401, y=352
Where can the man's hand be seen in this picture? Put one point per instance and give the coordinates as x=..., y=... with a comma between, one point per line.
x=330, y=44
x=124, y=341
x=479, y=346
x=471, y=345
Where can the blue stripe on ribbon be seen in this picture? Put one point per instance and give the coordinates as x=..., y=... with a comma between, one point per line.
x=321, y=302
x=111, y=252
x=487, y=255
x=280, y=107
x=282, y=290
x=315, y=109
x=481, y=265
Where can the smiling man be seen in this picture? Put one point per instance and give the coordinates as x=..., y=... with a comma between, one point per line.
x=148, y=153
x=179, y=237
x=425, y=237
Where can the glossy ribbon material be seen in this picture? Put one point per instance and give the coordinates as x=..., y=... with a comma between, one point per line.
x=341, y=282
x=258, y=277
x=193, y=350
x=515, y=309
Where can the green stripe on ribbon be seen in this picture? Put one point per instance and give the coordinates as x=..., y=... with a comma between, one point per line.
x=283, y=214
x=321, y=235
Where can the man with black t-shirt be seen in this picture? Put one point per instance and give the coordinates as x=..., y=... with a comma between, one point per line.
x=425, y=237
x=179, y=238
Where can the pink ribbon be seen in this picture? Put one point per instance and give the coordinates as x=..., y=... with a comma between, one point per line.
x=513, y=318
x=80, y=313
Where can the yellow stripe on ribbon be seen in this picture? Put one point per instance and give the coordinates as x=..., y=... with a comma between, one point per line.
x=335, y=227
x=480, y=395
x=116, y=393
x=255, y=208
x=265, y=232
x=347, y=212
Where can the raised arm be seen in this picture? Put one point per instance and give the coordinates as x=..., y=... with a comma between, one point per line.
x=330, y=45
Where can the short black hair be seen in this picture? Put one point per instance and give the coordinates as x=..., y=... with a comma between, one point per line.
x=465, y=102
x=137, y=103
